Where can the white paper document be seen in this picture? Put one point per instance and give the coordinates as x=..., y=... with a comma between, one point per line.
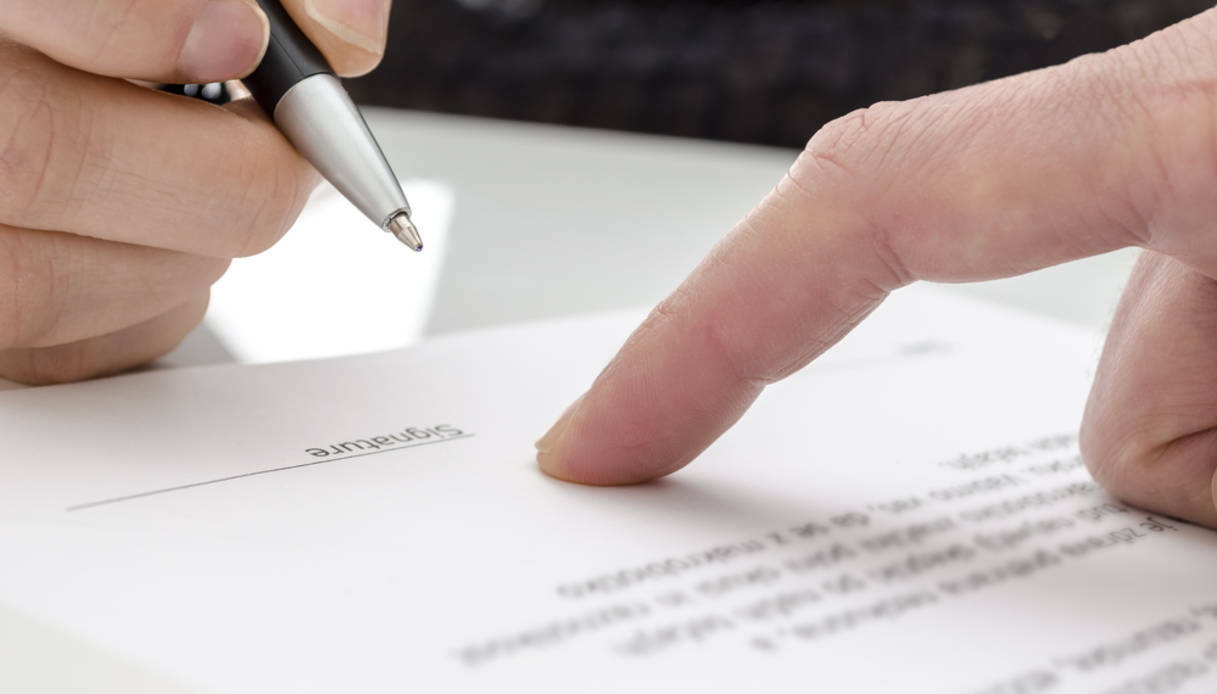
x=908, y=514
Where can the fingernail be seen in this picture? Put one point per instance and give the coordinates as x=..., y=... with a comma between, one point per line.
x=361, y=23
x=550, y=439
x=227, y=40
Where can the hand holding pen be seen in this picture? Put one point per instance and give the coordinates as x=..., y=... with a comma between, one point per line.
x=120, y=205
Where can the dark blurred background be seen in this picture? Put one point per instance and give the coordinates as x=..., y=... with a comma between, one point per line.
x=762, y=71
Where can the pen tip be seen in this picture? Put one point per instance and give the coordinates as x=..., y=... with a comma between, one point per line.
x=405, y=231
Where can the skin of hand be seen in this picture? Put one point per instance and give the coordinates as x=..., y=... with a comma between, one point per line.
x=1107, y=151
x=120, y=205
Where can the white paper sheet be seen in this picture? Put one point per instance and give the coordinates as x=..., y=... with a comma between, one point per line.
x=908, y=514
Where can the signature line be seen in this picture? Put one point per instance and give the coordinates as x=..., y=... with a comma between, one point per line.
x=255, y=473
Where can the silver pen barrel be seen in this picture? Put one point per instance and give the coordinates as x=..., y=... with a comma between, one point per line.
x=323, y=124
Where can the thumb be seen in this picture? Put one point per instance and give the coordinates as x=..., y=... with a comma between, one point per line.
x=351, y=33
x=998, y=179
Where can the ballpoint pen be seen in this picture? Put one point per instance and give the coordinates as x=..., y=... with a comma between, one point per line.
x=299, y=91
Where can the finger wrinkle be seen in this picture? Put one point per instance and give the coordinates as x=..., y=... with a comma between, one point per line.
x=31, y=285
x=27, y=153
x=907, y=125
x=896, y=271
x=105, y=25
x=11, y=305
x=733, y=359
x=1174, y=452
x=1134, y=114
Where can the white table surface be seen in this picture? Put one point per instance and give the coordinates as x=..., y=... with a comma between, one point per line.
x=549, y=221
x=552, y=220
x=540, y=221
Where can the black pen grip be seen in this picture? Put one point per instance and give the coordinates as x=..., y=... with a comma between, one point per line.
x=290, y=57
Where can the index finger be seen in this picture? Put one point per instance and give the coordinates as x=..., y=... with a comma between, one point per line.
x=990, y=181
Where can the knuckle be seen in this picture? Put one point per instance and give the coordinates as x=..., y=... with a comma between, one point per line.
x=49, y=365
x=30, y=293
x=857, y=142
x=215, y=271
x=1119, y=447
x=834, y=148
x=101, y=355
x=853, y=160
x=845, y=159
